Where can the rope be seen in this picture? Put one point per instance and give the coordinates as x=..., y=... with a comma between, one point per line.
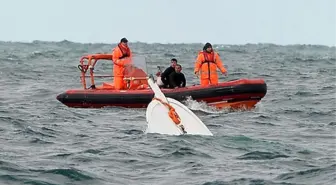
x=172, y=113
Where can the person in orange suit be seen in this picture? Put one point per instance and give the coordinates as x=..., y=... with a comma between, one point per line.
x=206, y=65
x=119, y=54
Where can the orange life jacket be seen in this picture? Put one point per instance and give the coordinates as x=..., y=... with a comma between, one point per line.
x=126, y=52
x=119, y=53
x=208, y=58
x=207, y=64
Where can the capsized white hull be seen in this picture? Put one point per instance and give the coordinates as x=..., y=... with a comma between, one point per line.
x=159, y=121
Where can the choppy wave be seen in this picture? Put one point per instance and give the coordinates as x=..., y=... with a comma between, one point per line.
x=289, y=138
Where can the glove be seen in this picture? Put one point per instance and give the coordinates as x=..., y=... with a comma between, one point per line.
x=196, y=73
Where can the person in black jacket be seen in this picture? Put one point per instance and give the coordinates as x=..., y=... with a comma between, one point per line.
x=176, y=78
x=167, y=72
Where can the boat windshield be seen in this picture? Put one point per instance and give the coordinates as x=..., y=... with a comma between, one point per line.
x=139, y=62
x=136, y=67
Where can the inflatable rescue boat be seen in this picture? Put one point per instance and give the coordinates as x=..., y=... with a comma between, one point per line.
x=235, y=94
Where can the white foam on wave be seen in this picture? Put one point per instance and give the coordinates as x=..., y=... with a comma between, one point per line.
x=202, y=106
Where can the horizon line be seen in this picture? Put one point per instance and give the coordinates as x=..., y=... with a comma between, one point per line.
x=168, y=43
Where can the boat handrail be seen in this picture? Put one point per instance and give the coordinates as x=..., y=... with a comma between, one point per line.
x=91, y=59
x=88, y=62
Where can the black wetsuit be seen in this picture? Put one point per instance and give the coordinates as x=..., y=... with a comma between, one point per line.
x=165, y=76
x=176, y=80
